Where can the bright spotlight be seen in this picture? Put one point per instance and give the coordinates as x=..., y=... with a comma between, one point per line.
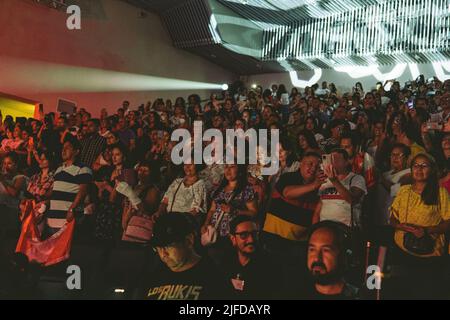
x=254, y=86
x=65, y=78
x=224, y=87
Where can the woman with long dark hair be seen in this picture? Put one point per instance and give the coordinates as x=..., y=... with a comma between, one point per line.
x=40, y=186
x=420, y=215
x=288, y=162
x=311, y=124
x=12, y=188
x=111, y=203
x=307, y=143
x=146, y=190
x=294, y=92
x=233, y=197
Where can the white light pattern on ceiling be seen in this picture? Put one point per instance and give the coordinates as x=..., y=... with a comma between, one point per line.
x=441, y=69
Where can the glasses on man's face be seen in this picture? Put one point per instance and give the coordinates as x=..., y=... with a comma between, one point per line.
x=244, y=235
x=421, y=166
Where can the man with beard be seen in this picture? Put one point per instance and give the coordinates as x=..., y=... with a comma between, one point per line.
x=326, y=262
x=250, y=270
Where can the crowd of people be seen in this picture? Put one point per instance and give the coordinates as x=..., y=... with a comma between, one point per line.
x=355, y=169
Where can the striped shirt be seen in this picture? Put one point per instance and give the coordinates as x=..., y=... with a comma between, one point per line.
x=91, y=147
x=65, y=189
x=290, y=218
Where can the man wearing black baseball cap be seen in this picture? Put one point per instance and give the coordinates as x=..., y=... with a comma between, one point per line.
x=184, y=275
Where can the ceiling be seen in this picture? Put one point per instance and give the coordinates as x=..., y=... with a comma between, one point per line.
x=156, y=6
x=283, y=12
x=264, y=36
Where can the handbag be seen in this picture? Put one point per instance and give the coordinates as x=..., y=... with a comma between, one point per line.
x=209, y=237
x=139, y=229
x=420, y=246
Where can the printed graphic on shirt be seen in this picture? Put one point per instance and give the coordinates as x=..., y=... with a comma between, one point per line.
x=175, y=292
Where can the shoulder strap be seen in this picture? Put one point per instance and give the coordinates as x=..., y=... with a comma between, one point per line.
x=351, y=179
x=219, y=219
x=352, y=220
x=175, y=194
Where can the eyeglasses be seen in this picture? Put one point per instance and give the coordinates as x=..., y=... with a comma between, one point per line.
x=245, y=234
x=421, y=166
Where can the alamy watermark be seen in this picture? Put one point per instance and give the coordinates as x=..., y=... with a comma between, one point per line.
x=73, y=281
x=73, y=22
x=255, y=142
x=373, y=281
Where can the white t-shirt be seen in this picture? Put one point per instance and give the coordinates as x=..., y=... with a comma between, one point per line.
x=187, y=198
x=334, y=207
x=395, y=179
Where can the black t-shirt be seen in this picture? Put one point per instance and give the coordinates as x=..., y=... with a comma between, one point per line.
x=348, y=293
x=261, y=278
x=50, y=140
x=202, y=282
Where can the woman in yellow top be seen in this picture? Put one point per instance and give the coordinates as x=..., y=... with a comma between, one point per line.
x=420, y=215
x=422, y=208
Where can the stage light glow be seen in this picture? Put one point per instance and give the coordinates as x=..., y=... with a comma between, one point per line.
x=440, y=68
x=415, y=73
x=27, y=76
x=224, y=87
x=296, y=82
x=254, y=86
x=357, y=72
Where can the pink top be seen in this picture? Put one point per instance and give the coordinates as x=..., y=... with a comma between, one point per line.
x=11, y=143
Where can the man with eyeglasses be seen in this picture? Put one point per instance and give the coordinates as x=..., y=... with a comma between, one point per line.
x=391, y=181
x=251, y=269
x=184, y=274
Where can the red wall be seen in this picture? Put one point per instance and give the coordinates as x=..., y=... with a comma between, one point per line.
x=116, y=39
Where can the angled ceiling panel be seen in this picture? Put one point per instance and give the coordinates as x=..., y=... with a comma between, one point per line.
x=260, y=34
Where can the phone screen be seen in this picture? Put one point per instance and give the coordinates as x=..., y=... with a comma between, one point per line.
x=410, y=104
x=326, y=160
